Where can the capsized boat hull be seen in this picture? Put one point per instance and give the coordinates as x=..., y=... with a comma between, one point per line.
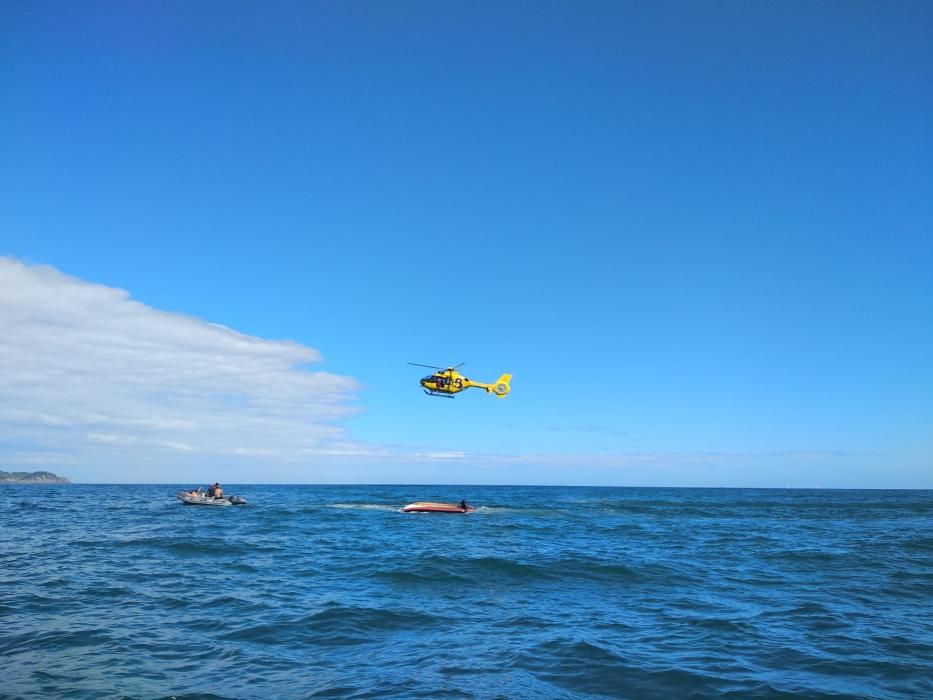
x=429, y=507
x=202, y=500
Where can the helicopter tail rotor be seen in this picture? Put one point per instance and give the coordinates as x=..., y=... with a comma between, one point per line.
x=501, y=386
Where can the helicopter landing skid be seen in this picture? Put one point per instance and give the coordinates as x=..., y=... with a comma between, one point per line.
x=435, y=393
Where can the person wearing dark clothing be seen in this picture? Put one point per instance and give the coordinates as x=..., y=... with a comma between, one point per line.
x=463, y=504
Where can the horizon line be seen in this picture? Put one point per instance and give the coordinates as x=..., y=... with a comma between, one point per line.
x=460, y=485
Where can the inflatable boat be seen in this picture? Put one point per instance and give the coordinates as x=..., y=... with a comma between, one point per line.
x=425, y=507
x=190, y=499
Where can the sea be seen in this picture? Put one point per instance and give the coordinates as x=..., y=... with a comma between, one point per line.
x=121, y=591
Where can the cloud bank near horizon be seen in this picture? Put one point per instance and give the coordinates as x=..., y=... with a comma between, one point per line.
x=88, y=372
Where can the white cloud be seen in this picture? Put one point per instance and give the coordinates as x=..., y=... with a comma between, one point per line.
x=436, y=455
x=86, y=369
x=111, y=439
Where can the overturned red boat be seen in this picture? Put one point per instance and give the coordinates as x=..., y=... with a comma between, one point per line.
x=427, y=507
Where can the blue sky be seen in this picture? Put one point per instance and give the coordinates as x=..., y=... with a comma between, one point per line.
x=697, y=234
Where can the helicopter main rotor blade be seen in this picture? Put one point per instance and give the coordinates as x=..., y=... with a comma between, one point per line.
x=418, y=364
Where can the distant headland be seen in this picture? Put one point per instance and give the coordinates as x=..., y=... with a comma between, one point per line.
x=31, y=478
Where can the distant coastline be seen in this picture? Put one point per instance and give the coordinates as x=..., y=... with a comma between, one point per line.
x=31, y=478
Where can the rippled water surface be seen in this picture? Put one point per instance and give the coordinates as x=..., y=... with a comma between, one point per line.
x=115, y=591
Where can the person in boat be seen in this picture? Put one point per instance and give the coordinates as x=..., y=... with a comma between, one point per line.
x=196, y=493
x=218, y=490
x=464, y=505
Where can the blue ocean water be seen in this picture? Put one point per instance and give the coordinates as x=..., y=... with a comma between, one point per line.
x=330, y=592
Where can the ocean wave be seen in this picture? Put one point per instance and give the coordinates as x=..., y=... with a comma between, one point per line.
x=364, y=506
x=922, y=543
x=185, y=547
x=436, y=569
x=593, y=668
x=198, y=696
x=335, y=623
x=806, y=555
x=57, y=640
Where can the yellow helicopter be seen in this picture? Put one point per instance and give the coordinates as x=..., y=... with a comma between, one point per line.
x=447, y=382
